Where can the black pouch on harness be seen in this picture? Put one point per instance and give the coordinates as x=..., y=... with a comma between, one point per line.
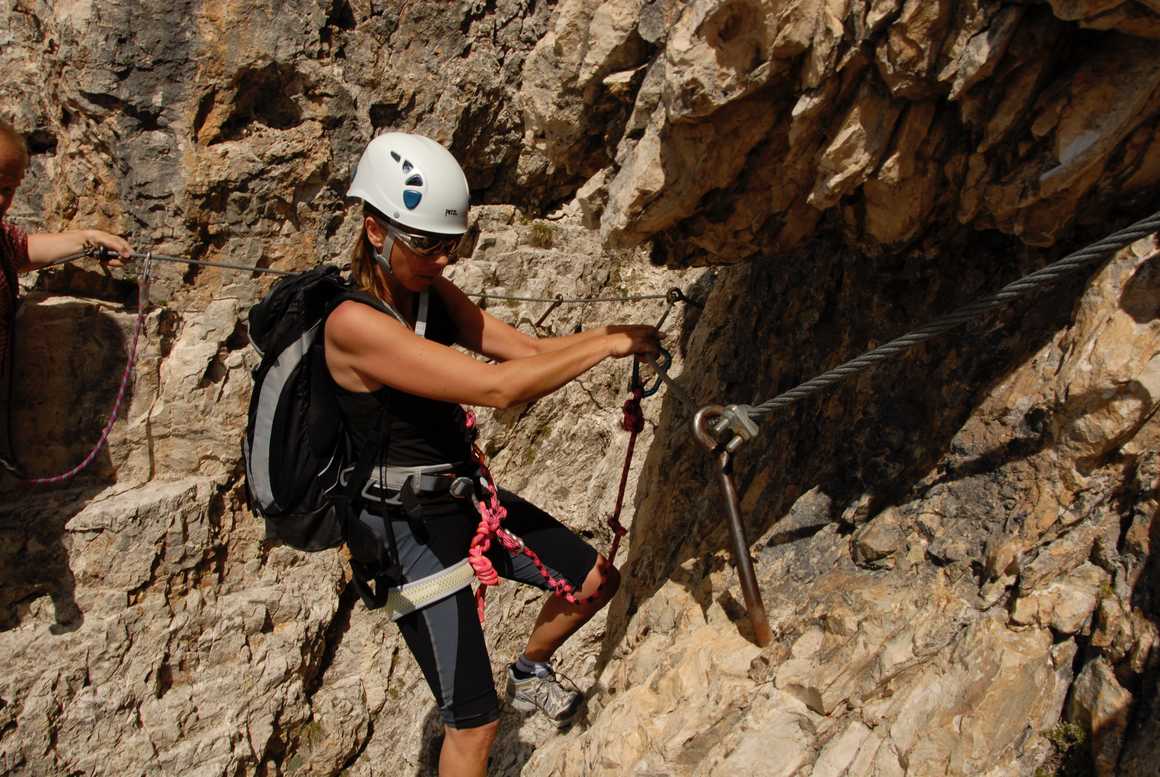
x=373, y=558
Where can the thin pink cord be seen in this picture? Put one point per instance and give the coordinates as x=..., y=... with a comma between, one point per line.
x=142, y=301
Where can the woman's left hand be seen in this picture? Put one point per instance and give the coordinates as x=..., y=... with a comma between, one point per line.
x=116, y=244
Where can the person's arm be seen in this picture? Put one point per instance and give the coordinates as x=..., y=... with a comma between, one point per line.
x=366, y=348
x=46, y=247
x=487, y=335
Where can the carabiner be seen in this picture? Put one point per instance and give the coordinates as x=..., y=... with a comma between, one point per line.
x=664, y=362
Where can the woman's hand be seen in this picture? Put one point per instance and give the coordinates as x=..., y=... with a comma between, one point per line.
x=118, y=245
x=47, y=247
x=629, y=339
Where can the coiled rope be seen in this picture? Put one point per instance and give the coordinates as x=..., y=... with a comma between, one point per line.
x=491, y=515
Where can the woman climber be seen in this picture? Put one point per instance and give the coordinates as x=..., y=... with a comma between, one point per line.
x=399, y=379
x=21, y=252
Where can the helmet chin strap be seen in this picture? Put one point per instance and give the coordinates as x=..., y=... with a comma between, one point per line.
x=384, y=257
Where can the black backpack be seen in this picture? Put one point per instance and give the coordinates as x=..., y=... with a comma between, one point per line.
x=302, y=475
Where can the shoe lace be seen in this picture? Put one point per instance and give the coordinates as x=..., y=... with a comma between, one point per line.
x=554, y=684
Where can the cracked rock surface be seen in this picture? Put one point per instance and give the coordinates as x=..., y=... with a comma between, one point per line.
x=956, y=550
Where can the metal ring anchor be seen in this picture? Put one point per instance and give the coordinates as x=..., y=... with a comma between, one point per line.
x=672, y=297
x=702, y=425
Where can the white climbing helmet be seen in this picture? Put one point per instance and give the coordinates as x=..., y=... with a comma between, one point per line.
x=413, y=181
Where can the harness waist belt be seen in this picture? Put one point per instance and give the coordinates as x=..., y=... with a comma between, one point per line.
x=427, y=479
x=410, y=597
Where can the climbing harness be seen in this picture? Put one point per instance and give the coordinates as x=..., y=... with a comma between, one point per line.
x=126, y=376
x=411, y=597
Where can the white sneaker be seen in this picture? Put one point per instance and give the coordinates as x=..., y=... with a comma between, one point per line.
x=543, y=691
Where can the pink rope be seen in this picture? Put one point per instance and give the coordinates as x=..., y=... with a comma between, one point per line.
x=142, y=301
x=491, y=515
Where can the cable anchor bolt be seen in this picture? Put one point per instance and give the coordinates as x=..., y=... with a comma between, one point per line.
x=557, y=301
x=736, y=419
x=742, y=561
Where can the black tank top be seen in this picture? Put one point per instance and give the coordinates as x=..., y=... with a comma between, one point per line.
x=413, y=431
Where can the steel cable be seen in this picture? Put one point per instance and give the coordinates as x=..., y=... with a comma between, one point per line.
x=483, y=295
x=1036, y=280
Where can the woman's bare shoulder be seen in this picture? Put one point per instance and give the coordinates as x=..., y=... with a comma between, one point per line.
x=354, y=319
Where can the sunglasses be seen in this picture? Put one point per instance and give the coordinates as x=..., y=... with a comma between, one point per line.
x=427, y=245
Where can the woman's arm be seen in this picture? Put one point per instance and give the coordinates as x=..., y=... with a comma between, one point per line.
x=46, y=247
x=485, y=334
x=366, y=349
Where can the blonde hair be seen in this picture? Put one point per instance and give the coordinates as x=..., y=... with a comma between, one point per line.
x=363, y=267
x=8, y=133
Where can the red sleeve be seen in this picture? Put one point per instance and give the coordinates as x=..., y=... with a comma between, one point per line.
x=13, y=254
x=13, y=249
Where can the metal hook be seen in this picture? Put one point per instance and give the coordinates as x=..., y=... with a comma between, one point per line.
x=559, y=299
x=665, y=361
x=672, y=296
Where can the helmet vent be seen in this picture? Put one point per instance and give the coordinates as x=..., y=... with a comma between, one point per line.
x=415, y=180
x=407, y=166
x=395, y=156
x=411, y=198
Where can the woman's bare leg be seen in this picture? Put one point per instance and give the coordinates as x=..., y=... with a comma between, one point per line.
x=465, y=750
x=559, y=620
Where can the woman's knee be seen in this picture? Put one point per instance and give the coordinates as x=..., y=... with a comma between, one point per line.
x=603, y=581
x=476, y=738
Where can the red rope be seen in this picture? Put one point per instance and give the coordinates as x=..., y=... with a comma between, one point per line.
x=633, y=423
x=492, y=514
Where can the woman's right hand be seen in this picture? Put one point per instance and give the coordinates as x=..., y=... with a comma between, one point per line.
x=629, y=339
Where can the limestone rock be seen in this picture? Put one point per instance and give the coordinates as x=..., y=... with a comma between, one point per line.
x=876, y=542
x=928, y=536
x=1066, y=605
x=1102, y=707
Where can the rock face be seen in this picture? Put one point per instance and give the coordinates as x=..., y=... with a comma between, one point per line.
x=957, y=550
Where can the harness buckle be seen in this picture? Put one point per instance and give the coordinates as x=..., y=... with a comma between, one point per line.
x=462, y=487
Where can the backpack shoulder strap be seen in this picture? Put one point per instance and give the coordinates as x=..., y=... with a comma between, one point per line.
x=383, y=307
x=367, y=299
